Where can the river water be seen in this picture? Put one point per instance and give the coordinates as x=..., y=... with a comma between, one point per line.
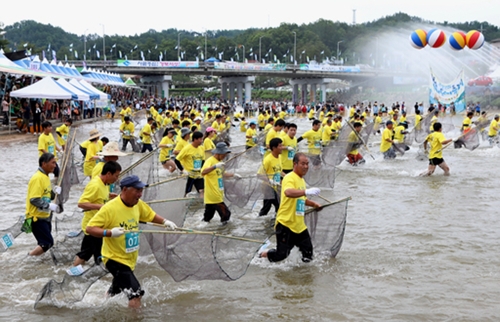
x=415, y=249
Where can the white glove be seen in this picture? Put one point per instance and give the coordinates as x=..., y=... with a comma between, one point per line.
x=272, y=182
x=57, y=190
x=184, y=172
x=169, y=224
x=455, y=139
x=290, y=148
x=169, y=145
x=55, y=208
x=117, y=232
x=313, y=192
x=237, y=176
x=219, y=165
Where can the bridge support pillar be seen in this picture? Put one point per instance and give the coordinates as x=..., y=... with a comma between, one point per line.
x=154, y=83
x=314, y=82
x=248, y=92
x=237, y=81
x=223, y=91
x=295, y=94
x=313, y=93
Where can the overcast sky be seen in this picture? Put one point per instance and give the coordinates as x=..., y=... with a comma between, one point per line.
x=135, y=17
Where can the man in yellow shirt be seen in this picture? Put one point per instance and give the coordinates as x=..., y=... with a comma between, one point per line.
x=262, y=120
x=327, y=134
x=493, y=130
x=271, y=172
x=127, y=129
x=274, y=132
x=118, y=221
x=147, y=135
x=47, y=144
x=191, y=158
x=387, y=140
x=63, y=132
x=39, y=205
x=213, y=173
x=110, y=152
x=243, y=125
x=354, y=142
x=289, y=148
x=91, y=157
x=166, y=146
x=290, y=227
x=95, y=195
x=436, y=139
x=467, y=122
x=251, y=135
x=313, y=137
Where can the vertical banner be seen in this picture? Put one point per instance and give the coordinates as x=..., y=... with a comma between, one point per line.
x=445, y=94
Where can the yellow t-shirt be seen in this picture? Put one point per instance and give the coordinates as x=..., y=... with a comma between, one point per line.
x=271, y=167
x=493, y=128
x=128, y=130
x=46, y=142
x=353, y=138
x=90, y=163
x=384, y=145
x=321, y=116
x=287, y=156
x=166, y=153
x=418, y=118
x=313, y=141
x=327, y=134
x=433, y=120
x=181, y=143
x=282, y=115
x=64, y=131
x=310, y=115
x=123, y=249
x=261, y=119
x=466, y=125
x=38, y=187
x=216, y=126
x=243, y=126
x=95, y=192
x=292, y=210
x=436, y=140
x=398, y=134
x=191, y=159
x=146, y=129
x=271, y=134
x=214, y=183
x=251, y=141
x=167, y=122
x=97, y=171
x=85, y=144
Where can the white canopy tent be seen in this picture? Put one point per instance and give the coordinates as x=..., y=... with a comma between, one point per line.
x=45, y=88
x=89, y=87
x=82, y=96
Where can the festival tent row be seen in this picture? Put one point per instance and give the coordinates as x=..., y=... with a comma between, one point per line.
x=50, y=89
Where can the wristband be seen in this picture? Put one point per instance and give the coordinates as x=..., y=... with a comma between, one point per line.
x=104, y=233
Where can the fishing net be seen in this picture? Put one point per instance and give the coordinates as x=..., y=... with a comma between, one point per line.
x=68, y=237
x=72, y=289
x=202, y=255
x=146, y=168
x=327, y=227
x=336, y=151
x=320, y=174
x=469, y=140
x=8, y=235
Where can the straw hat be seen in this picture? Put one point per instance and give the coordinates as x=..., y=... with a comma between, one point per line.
x=111, y=149
x=94, y=133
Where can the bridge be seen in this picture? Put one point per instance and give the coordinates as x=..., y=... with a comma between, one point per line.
x=234, y=76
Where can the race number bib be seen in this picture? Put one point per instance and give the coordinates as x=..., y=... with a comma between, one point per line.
x=196, y=165
x=254, y=139
x=221, y=184
x=277, y=178
x=262, y=150
x=317, y=144
x=51, y=149
x=291, y=154
x=7, y=240
x=300, y=209
x=131, y=242
x=65, y=137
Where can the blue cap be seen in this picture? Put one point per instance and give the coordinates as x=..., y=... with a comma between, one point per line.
x=132, y=181
x=253, y=122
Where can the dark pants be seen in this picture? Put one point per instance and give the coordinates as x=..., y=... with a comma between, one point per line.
x=286, y=240
x=125, y=142
x=268, y=203
x=124, y=280
x=221, y=209
x=42, y=229
x=146, y=147
x=37, y=127
x=6, y=118
x=91, y=246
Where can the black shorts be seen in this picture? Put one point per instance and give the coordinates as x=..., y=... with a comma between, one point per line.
x=286, y=171
x=163, y=162
x=436, y=161
x=198, y=183
x=221, y=209
x=91, y=246
x=286, y=240
x=42, y=229
x=124, y=280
